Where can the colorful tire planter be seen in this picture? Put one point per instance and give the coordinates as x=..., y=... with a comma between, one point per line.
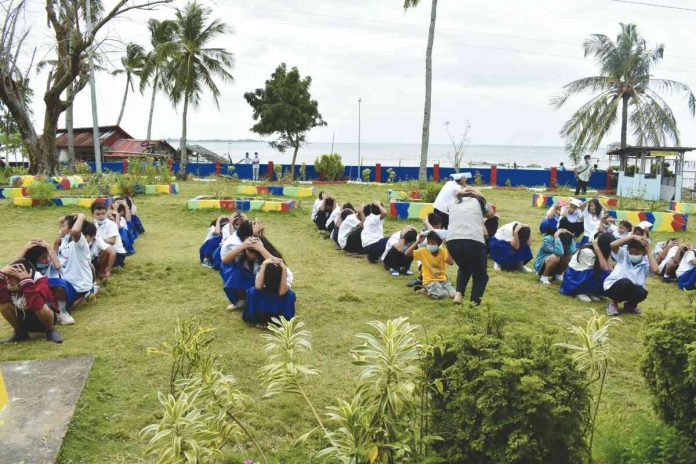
x=540, y=200
x=79, y=202
x=241, y=204
x=404, y=196
x=681, y=207
x=61, y=182
x=148, y=189
x=409, y=210
x=8, y=193
x=275, y=190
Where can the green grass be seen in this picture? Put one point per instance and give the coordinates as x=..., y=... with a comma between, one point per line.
x=337, y=296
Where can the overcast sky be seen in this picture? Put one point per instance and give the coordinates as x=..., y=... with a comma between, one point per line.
x=496, y=63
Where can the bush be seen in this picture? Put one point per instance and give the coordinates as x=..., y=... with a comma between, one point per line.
x=391, y=175
x=520, y=400
x=330, y=167
x=430, y=191
x=278, y=170
x=669, y=368
x=42, y=191
x=366, y=174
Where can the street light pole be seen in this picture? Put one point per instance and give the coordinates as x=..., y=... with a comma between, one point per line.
x=93, y=92
x=359, y=130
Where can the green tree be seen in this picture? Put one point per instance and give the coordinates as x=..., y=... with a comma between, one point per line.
x=425, y=138
x=192, y=64
x=625, y=80
x=285, y=107
x=160, y=33
x=132, y=66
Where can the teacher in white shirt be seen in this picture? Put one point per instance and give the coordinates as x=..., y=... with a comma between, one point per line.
x=447, y=194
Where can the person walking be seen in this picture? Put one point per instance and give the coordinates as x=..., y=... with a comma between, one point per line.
x=583, y=171
x=466, y=243
x=255, y=165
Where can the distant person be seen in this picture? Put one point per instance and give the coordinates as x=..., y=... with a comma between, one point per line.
x=245, y=160
x=561, y=167
x=514, y=165
x=255, y=165
x=583, y=171
x=447, y=194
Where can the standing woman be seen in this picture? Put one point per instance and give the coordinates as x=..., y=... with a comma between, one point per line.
x=447, y=193
x=466, y=243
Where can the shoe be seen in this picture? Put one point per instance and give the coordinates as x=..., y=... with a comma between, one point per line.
x=338, y=247
x=239, y=304
x=230, y=307
x=496, y=266
x=65, y=318
x=612, y=309
x=457, y=298
x=414, y=282
x=16, y=337
x=262, y=326
x=545, y=280
x=53, y=336
x=394, y=272
x=583, y=297
x=559, y=277
x=408, y=272
x=666, y=279
x=595, y=298
x=473, y=304
x=632, y=309
x=524, y=268
x=206, y=263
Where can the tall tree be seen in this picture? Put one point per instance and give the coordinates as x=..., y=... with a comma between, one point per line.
x=285, y=107
x=132, y=64
x=160, y=34
x=624, y=81
x=192, y=64
x=425, y=138
x=71, y=44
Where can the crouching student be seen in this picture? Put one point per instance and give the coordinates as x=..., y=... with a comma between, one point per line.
x=107, y=230
x=634, y=262
x=554, y=255
x=587, y=270
x=511, y=247
x=328, y=204
x=126, y=230
x=668, y=255
x=213, y=239
x=394, y=256
x=372, y=235
x=135, y=219
x=434, y=259
x=349, y=231
x=572, y=218
x=686, y=272
x=26, y=302
x=552, y=218
x=271, y=295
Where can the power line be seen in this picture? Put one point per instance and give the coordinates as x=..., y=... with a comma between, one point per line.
x=669, y=7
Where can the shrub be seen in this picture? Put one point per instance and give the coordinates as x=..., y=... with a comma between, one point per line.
x=518, y=400
x=330, y=167
x=508, y=183
x=366, y=174
x=42, y=191
x=430, y=191
x=82, y=168
x=478, y=180
x=391, y=175
x=278, y=170
x=669, y=368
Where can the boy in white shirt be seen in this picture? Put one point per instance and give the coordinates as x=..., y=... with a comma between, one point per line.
x=107, y=230
x=372, y=236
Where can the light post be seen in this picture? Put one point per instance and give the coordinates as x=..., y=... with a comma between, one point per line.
x=359, y=124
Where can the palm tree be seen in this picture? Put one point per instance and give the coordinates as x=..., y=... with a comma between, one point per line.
x=160, y=33
x=132, y=65
x=192, y=64
x=625, y=80
x=425, y=139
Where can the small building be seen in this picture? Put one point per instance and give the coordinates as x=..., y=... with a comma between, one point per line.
x=650, y=173
x=83, y=141
x=132, y=148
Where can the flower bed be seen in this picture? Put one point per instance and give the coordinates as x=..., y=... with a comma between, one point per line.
x=241, y=204
x=681, y=207
x=62, y=201
x=148, y=189
x=276, y=190
x=540, y=200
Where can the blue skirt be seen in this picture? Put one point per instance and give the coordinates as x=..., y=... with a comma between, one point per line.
x=70, y=292
x=127, y=240
x=587, y=282
x=261, y=306
x=548, y=224
x=207, y=250
x=507, y=257
x=138, y=224
x=132, y=230
x=236, y=277
x=217, y=258
x=585, y=240
x=687, y=281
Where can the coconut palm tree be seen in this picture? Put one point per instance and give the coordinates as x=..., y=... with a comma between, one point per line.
x=160, y=33
x=624, y=81
x=192, y=64
x=425, y=139
x=132, y=65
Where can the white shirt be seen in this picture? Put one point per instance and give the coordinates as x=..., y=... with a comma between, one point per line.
x=584, y=171
x=123, y=223
x=109, y=230
x=229, y=244
x=98, y=245
x=506, y=232
x=347, y=226
x=373, y=230
x=624, y=269
x=315, y=208
x=289, y=276
x=210, y=234
x=670, y=255
x=334, y=215
x=393, y=240
x=591, y=222
x=77, y=268
x=686, y=263
x=225, y=230
x=575, y=216
x=446, y=195
x=583, y=260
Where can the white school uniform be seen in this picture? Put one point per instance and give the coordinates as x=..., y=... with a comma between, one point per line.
x=393, y=240
x=624, y=269
x=373, y=230
x=315, y=208
x=347, y=226
x=670, y=256
x=210, y=234
x=333, y=216
x=446, y=195
x=98, y=245
x=109, y=230
x=591, y=223
x=225, y=231
x=572, y=217
x=230, y=243
x=583, y=260
x=506, y=232
x=687, y=263
x=77, y=268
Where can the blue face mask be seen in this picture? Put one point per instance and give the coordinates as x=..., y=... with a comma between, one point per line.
x=100, y=222
x=41, y=266
x=433, y=248
x=635, y=259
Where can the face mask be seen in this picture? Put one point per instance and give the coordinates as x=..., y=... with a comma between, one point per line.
x=635, y=259
x=433, y=248
x=100, y=222
x=41, y=266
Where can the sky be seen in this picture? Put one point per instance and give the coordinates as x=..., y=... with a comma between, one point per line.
x=496, y=64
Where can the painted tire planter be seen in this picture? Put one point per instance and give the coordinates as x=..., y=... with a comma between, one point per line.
x=12, y=192
x=276, y=190
x=409, y=210
x=540, y=200
x=148, y=189
x=681, y=207
x=241, y=204
x=403, y=195
x=62, y=201
x=61, y=182
x=662, y=221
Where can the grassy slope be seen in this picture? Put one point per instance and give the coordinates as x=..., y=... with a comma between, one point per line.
x=337, y=295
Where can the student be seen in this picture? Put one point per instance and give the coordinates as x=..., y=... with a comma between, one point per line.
x=315, y=206
x=135, y=219
x=76, y=249
x=107, y=230
x=624, y=229
x=394, y=257
x=255, y=167
x=511, y=247
x=491, y=222
x=643, y=229
x=554, y=255
x=606, y=225
x=432, y=222
x=372, y=235
x=235, y=239
x=686, y=272
x=587, y=270
x=447, y=194
x=634, y=262
x=212, y=241
x=271, y=295
x=592, y=218
x=331, y=221
x=27, y=303
x=572, y=219
x=125, y=229
x=668, y=256
x=552, y=218
x=349, y=232
x=434, y=259
x=327, y=206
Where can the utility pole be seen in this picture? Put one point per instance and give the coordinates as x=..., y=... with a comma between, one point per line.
x=93, y=93
x=359, y=124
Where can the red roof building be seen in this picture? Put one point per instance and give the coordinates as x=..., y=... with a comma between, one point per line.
x=130, y=148
x=83, y=141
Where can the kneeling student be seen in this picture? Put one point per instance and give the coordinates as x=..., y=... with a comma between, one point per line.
x=554, y=255
x=511, y=247
x=587, y=270
x=394, y=257
x=627, y=281
x=434, y=259
x=271, y=295
x=686, y=272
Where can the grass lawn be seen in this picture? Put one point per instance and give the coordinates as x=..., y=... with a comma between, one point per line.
x=336, y=296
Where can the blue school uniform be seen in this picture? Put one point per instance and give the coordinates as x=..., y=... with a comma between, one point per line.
x=547, y=224
x=507, y=257
x=132, y=230
x=138, y=224
x=70, y=292
x=236, y=277
x=587, y=282
x=217, y=258
x=262, y=305
x=209, y=247
x=127, y=240
x=687, y=281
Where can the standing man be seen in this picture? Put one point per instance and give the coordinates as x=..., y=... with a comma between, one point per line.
x=256, y=164
x=583, y=171
x=245, y=160
x=447, y=194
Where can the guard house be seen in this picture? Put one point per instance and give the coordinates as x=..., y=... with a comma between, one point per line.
x=650, y=173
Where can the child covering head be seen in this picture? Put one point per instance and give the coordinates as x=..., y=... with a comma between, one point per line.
x=271, y=295
x=510, y=247
x=588, y=268
x=592, y=215
x=571, y=218
x=686, y=272
x=554, y=254
x=212, y=241
x=434, y=259
x=372, y=235
x=394, y=257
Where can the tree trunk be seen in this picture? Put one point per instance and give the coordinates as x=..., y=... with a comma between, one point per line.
x=152, y=105
x=69, y=128
x=624, y=120
x=423, y=170
x=294, y=159
x=123, y=103
x=183, y=148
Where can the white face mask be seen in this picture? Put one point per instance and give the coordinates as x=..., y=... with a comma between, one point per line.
x=433, y=248
x=100, y=222
x=635, y=259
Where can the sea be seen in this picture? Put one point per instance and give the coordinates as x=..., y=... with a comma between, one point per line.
x=401, y=154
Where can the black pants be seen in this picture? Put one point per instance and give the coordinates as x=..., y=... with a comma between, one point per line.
x=321, y=218
x=396, y=259
x=444, y=216
x=375, y=250
x=581, y=188
x=626, y=290
x=354, y=241
x=575, y=228
x=470, y=256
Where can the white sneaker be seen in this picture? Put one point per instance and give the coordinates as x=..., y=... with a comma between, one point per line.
x=583, y=297
x=496, y=266
x=545, y=280
x=239, y=304
x=595, y=298
x=64, y=318
x=230, y=307
x=526, y=269
x=559, y=277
